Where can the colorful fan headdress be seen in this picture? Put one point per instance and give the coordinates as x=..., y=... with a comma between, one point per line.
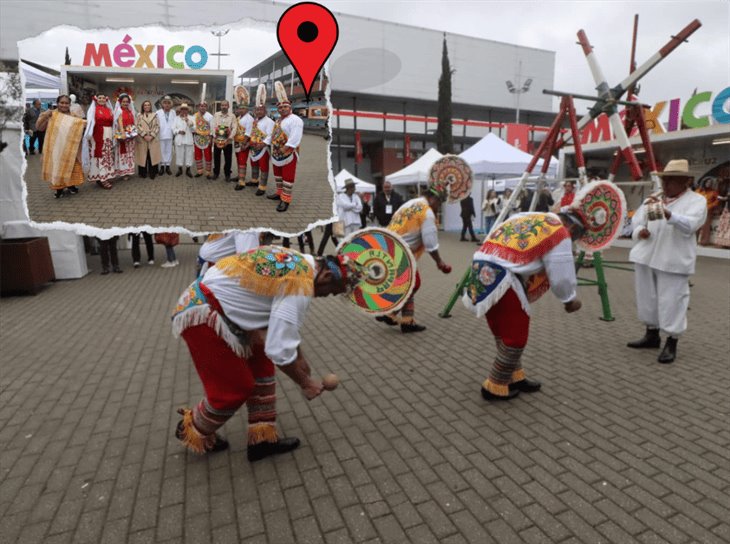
x=242, y=96
x=601, y=205
x=281, y=97
x=450, y=178
x=379, y=268
x=261, y=96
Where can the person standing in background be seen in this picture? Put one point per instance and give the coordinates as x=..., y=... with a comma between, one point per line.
x=467, y=213
x=386, y=204
x=183, y=128
x=147, y=151
x=166, y=117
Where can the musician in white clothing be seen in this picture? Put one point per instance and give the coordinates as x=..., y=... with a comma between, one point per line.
x=665, y=252
x=166, y=117
x=349, y=207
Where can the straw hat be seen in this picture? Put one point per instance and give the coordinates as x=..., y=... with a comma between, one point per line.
x=183, y=106
x=676, y=168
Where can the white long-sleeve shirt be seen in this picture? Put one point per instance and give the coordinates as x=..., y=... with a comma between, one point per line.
x=186, y=125
x=266, y=126
x=349, y=208
x=671, y=246
x=167, y=123
x=231, y=243
x=293, y=127
x=283, y=316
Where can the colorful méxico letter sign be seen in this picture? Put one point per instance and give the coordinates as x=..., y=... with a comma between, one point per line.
x=126, y=55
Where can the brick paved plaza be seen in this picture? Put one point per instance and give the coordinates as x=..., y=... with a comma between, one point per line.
x=198, y=204
x=615, y=448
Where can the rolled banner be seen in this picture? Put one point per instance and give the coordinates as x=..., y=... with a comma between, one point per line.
x=388, y=270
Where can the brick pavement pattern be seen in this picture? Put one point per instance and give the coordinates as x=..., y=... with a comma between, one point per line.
x=615, y=448
x=198, y=204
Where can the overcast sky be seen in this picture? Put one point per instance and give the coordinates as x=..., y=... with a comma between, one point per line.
x=702, y=64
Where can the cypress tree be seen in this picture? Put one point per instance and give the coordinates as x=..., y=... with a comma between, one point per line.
x=444, y=136
x=67, y=61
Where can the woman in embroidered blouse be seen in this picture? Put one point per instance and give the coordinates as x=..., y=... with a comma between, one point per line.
x=125, y=132
x=148, y=145
x=98, y=146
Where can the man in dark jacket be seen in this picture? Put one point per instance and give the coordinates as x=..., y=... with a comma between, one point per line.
x=467, y=212
x=386, y=204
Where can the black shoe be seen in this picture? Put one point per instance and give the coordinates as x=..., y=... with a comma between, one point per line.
x=188, y=173
x=220, y=443
x=405, y=328
x=651, y=339
x=117, y=270
x=104, y=271
x=260, y=192
x=258, y=451
x=73, y=190
x=153, y=175
x=212, y=178
x=228, y=178
x=486, y=395
x=239, y=187
x=198, y=175
x=251, y=184
x=179, y=172
x=669, y=353
x=58, y=193
x=463, y=240
x=167, y=170
x=526, y=386
x=387, y=320
x=282, y=207
x=143, y=176
x=161, y=171
x=275, y=196
x=475, y=240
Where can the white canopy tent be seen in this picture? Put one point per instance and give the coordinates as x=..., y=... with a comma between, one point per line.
x=38, y=79
x=416, y=172
x=492, y=156
x=493, y=162
x=360, y=185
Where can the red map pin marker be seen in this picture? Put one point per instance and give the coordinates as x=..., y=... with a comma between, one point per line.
x=307, y=33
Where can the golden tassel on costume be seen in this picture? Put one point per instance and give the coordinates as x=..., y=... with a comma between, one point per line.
x=189, y=435
x=518, y=375
x=496, y=389
x=262, y=432
x=407, y=320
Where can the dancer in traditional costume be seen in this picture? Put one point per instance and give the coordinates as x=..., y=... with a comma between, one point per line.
x=415, y=221
x=242, y=139
x=220, y=245
x=98, y=145
x=519, y=261
x=166, y=117
x=125, y=133
x=285, y=140
x=62, y=148
x=202, y=140
x=664, y=256
x=261, y=130
x=240, y=322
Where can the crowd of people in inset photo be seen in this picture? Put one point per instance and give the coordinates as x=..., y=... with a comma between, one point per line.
x=110, y=143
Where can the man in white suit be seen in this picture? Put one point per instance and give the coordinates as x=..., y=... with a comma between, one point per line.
x=665, y=252
x=166, y=116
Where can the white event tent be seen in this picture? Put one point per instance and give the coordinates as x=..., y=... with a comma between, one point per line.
x=417, y=171
x=360, y=185
x=491, y=159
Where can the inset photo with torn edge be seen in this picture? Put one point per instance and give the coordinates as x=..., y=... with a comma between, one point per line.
x=149, y=132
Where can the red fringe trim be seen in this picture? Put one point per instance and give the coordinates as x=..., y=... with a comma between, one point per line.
x=517, y=256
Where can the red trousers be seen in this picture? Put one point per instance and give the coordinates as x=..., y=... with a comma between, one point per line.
x=241, y=160
x=508, y=321
x=228, y=379
x=284, y=176
x=198, y=155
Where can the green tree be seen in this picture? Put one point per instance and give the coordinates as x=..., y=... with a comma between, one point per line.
x=67, y=62
x=444, y=136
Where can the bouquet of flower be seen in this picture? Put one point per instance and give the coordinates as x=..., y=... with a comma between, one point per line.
x=128, y=133
x=221, y=136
